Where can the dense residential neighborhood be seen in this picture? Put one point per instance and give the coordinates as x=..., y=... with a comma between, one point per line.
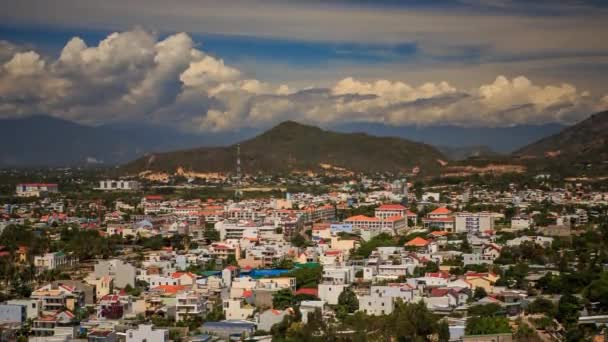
x=365, y=258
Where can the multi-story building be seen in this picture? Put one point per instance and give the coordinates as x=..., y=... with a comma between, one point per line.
x=35, y=189
x=236, y=309
x=55, y=298
x=473, y=222
x=390, y=210
x=118, y=185
x=441, y=219
x=189, y=304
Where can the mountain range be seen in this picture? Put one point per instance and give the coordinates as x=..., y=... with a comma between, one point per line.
x=291, y=146
x=48, y=141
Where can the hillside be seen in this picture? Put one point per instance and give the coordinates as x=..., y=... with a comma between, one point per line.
x=291, y=146
x=583, y=145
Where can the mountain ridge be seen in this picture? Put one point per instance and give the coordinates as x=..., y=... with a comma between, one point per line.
x=292, y=146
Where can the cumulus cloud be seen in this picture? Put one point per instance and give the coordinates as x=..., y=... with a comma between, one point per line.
x=135, y=75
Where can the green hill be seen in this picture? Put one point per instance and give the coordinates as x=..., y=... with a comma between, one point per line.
x=291, y=146
x=579, y=148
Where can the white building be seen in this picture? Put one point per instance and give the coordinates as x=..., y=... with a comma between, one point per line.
x=520, y=223
x=146, y=333
x=123, y=273
x=390, y=210
x=330, y=292
x=52, y=261
x=118, y=185
x=235, y=309
x=430, y=196
x=33, y=307
x=188, y=304
x=474, y=222
x=375, y=304
x=35, y=189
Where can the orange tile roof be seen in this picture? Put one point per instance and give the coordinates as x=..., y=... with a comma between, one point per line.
x=172, y=289
x=417, y=242
x=441, y=211
x=361, y=218
x=394, y=218
x=391, y=207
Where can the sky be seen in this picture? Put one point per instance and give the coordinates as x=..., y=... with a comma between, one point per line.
x=217, y=66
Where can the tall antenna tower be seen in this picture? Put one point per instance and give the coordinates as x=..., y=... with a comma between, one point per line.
x=237, y=192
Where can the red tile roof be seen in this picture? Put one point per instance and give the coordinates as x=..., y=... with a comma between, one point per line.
x=308, y=291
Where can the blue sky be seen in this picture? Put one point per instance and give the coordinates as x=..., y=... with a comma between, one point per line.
x=308, y=44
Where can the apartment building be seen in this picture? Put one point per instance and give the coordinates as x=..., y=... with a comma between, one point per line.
x=473, y=222
x=189, y=304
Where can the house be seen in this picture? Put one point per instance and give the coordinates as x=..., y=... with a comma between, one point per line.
x=476, y=259
x=56, y=297
x=375, y=304
x=422, y=245
x=184, y=278
x=236, y=309
x=59, y=323
x=310, y=306
x=111, y=307
x=147, y=333
x=330, y=292
x=484, y=280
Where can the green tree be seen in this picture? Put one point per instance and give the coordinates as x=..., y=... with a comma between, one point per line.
x=541, y=305
x=597, y=291
x=412, y=321
x=283, y=299
x=568, y=310
x=479, y=325
x=525, y=333
x=307, y=276
x=348, y=300
x=479, y=293
x=443, y=331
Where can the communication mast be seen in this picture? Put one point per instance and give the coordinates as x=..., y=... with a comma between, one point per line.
x=237, y=192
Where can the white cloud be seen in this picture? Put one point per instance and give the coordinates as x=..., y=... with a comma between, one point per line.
x=25, y=64
x=132, y=75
